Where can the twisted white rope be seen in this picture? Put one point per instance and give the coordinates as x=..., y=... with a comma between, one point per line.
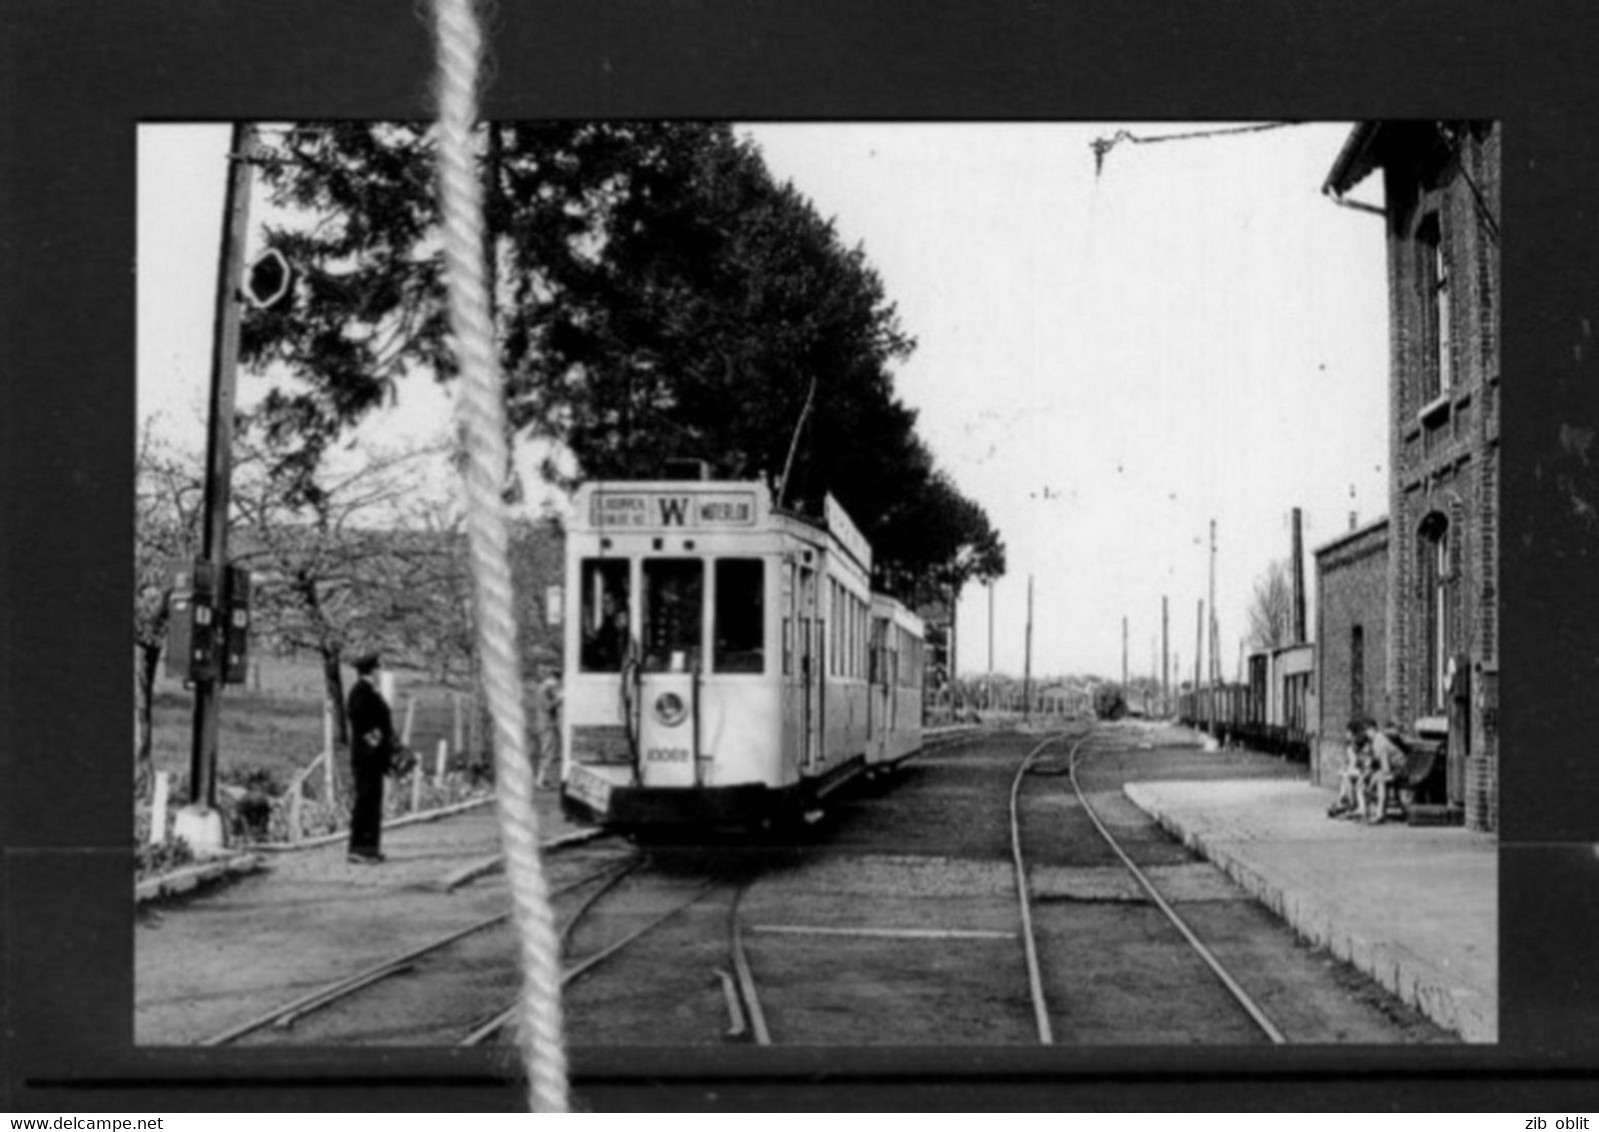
x=481, y=417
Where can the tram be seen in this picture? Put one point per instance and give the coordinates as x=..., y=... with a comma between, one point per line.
x=727, y=663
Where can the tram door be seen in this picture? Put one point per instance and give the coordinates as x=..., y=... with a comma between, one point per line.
x=808, y=667
x=671, y=665
x=879, y=698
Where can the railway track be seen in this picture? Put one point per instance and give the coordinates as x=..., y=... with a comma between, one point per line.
x=501, y=1022
x=346, y=994
x=1041, y=1007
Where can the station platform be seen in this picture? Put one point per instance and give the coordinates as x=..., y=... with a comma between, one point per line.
x=1414, y=907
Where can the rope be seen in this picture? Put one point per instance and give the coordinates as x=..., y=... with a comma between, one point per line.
x=481, y=419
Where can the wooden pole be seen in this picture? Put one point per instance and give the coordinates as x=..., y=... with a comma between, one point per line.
x=1165, y=659
x=219, y=449
x=1027, y=674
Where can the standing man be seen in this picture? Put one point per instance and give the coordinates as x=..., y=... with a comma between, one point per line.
x=372, y=746
x=547, y=724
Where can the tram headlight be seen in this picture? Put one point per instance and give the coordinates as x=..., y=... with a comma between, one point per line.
x=670, y=708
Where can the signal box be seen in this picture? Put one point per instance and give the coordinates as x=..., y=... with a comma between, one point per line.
x=236, y=633
x=192, y=652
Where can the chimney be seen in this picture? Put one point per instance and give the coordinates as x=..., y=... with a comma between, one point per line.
x=1299, y=581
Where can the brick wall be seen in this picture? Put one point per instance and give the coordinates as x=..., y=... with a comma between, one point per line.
x=1445, y=450
x=1351, y=590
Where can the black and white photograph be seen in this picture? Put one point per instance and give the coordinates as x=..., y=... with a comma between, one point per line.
x=975, y=583
x=714, y=558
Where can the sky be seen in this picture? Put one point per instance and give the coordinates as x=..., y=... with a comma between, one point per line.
x=1106, y=362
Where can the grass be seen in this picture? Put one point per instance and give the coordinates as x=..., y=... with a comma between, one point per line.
x=271, y=727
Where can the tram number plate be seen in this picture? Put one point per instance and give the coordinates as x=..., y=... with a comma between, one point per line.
x=589, y=787
x=666, y=755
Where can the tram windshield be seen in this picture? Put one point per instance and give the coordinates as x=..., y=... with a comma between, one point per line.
x=673, y=613
x=740, y=625
x=604, y=622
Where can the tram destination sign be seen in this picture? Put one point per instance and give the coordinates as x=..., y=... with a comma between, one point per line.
x=710, y=510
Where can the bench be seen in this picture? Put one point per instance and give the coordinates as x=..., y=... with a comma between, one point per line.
x=1423, y=782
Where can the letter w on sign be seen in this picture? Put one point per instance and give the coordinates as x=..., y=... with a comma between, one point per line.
x=674, y=510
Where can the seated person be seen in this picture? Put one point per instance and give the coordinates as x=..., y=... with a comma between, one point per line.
x=1390, y=768
x=1355, y=777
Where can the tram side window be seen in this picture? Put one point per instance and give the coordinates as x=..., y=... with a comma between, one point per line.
x=674, y=600
x=740, y=625
x=603, y=618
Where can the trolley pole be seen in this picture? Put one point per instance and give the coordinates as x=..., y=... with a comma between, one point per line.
x=202, y=826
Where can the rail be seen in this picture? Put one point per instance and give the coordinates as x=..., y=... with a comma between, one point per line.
x=1239, y=994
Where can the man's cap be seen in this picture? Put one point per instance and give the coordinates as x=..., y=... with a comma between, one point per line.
x=366, y=662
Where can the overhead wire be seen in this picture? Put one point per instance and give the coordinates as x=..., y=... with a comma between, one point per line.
x=1102, y=146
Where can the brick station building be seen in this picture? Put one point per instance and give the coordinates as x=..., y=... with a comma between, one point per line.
x=1441, y=206
x=1351, y=641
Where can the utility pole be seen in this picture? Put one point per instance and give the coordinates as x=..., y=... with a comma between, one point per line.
x=1124, y=653
x=201, y=825
x=1027, y=671
x=1210, y=659
x=1165, y=660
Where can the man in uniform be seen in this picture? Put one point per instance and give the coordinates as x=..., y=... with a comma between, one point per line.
x=372, y=746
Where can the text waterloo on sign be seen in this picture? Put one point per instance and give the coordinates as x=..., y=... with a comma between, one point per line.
x=673, y=509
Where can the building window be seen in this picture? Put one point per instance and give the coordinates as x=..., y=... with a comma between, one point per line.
x=1435, y=590
x=1436, y=365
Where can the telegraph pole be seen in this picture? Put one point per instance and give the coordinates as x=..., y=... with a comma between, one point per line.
x=1027, y=672
x=1165, y=660
x=1214, y=664
x=1124, y=653
x=204, y=826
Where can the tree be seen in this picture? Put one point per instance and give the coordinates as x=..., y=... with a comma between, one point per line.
x=660, y=295
x=169, y=496
x=349, y=560
x=1271, y=608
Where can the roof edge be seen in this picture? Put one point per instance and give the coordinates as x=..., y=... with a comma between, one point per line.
x=1355, y=161
x=1351, y=536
